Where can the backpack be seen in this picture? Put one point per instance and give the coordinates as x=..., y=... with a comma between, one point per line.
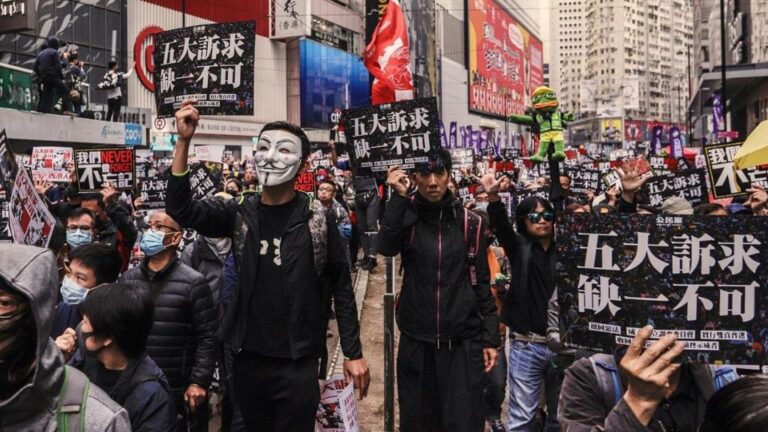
x=72, y=397
x=609, y=380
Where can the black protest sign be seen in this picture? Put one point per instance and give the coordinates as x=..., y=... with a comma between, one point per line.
x=540, y=192
x=463, y=159
x=583, y=180
x=95, y=167
x=8, y=165
x=700, y=277
x=5, y=226
x=725, y=179
x=202, y=182
x=305, y=182
x=401, y=133
x=689, y=184
x=153, y=191
x=611, y=179
x=659, y=165
x=211, y=63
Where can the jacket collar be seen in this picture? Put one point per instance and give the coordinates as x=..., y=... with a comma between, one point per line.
x=160, y=274
x=300, y=215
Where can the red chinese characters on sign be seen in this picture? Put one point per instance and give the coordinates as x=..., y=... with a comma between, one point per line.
x=505, y=61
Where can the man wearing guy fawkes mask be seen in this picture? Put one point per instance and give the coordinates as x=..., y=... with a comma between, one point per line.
x=291, y=262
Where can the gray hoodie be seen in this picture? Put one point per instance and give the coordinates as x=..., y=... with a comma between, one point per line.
x=32, y=271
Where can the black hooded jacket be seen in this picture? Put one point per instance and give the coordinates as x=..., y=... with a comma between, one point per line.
x=48, y=64
x=437, y=301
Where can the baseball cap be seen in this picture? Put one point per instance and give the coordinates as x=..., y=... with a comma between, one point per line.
x=676, y=206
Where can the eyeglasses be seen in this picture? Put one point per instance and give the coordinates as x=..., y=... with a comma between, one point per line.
x=159, y=227
x=79, y=227
x=8, y=307
x=535, y=217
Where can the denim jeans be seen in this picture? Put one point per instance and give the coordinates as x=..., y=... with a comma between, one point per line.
x=531, y=367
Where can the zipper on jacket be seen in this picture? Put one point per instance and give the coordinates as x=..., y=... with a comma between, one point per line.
x=439, y=265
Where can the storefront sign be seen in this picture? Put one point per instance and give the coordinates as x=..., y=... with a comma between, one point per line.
x=17, y=15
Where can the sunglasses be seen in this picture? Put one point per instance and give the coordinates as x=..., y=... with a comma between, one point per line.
x=535, y=217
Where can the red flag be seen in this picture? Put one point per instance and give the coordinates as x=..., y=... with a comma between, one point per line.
x=388, y=58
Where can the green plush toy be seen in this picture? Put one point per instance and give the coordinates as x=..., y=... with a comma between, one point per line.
x=549, y=123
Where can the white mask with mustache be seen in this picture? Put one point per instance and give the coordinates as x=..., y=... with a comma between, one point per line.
x=278, y=157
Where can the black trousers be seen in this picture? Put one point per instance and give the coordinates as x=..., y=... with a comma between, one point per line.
x=440, y=390
x=113, y=108
x=51, y=88
x=277, y=395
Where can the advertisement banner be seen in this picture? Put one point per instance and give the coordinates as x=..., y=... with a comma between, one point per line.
x=443, y=137
x=95, y=167
x=610, y=130
x=718, y=122
x=725, y=180
x=50, y=164
x=690, y=184
x=452, y=142
x=211, y=63
x=31, y=222
x=401, y=133
x=633, y=130
x=420, y=21
x=699, y=277
x=675, y=143
x=631, y=93
x=505, y=61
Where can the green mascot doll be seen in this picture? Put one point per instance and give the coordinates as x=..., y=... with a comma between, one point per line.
x=549, y=123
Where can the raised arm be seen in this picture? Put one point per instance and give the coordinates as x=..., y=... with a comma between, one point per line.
x=522, y=120
x=497, y=213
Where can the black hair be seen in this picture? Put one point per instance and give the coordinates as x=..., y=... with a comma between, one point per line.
x=741, y=406
x=707, y=209
x=292, y=128
x=94, y=196
x=102, y=259
x=78, y=212
x=526, y=207
x=111, y=64
x=236, y=181
x=58, y=238
x=439, y=160
x=122, y=312
x=326, y=181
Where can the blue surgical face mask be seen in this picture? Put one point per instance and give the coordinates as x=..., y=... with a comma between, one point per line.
x=152, y=243
x=481, y=206
x=72, y=293
x=78, y=237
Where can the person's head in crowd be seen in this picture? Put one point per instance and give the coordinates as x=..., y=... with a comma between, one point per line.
x=739, y=209
x=543, y=181
x=161, y=238
x=676, y=205
x=432, y=178
x=506, y=183
x=95, y=203
x=576, y=208
x=282, y=150
x=603, y=209
x=347, y=174
x=535, y=217
x=53, y=43
x=326, y=191
x=710, y=209
x=233, y=187
x=226, y=172
x=249, y=176
x=741, y=406
x=645, y=209
x=565, y=182
x=453, y=187
x=117, y=319
x=81, y=227
x=17, y=339
x=58, y=245
x=481, y=199
x=89, y=266
x=112, y=66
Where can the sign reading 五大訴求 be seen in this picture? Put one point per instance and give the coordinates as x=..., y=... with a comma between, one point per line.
x=211, y=63
x=401, y=133
x=702, y=278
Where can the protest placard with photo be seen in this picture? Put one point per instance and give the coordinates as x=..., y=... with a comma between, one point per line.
x=700, y=277
x=153, y=191
x=202, y=183
x=50, y=164
x=401, y=133
x=31, y=222
x=337, y=411
x=305, y=182
x=5, y=215
x=463, y=159
x=690, y=184
x=725, y=180
x=211, y=63
x=95, y=167
x=8, y=165
x=583, y=180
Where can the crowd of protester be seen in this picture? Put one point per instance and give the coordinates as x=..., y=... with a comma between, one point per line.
x=157, y=309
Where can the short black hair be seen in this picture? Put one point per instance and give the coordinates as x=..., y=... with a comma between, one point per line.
x=122, y=312
x=326, y=181
x=235, y=181
x=103, y=260
x=94, y=197
x=707, y=209
x=77, y=213
x=526, y=207
x=58, y=238
x=292, y=128
x=739, y=406
x=111, y=64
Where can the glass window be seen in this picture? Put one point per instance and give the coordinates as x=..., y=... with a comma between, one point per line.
x=98, y=27
x=82, y=30
x=113, y=28
x=64, y=21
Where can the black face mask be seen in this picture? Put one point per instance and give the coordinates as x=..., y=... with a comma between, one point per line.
x=81, y=337
x=233, y=192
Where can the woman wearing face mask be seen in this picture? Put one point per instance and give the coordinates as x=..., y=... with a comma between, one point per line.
x=112, y=338
x=89, y=266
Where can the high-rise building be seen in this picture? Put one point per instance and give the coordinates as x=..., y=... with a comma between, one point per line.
x=630, y=57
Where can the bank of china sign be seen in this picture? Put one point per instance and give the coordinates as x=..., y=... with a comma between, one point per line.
x=17, y=15
x=289, y=19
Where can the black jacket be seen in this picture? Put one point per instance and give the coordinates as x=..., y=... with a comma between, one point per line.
x=310, y=294
x=183, y=337
x=518, y=249
x=437, y=301
x=142, y=390
x=49, y=64
x=202, y=258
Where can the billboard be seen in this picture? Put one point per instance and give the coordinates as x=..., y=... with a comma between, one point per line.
x=505, y=61
x=331, y=79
